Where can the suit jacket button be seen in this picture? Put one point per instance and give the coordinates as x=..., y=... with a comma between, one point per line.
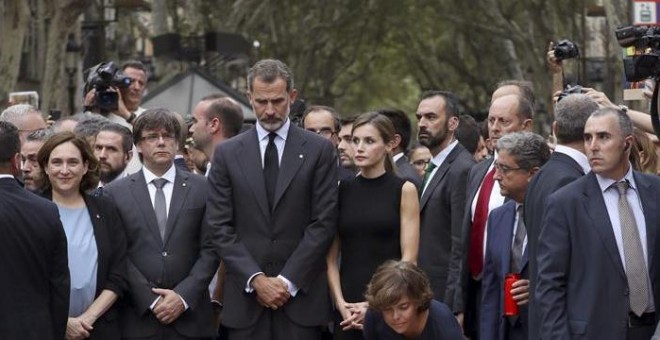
x=164, y=254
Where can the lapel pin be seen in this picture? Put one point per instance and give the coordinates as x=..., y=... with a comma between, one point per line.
x=300, y=156
x=184, y=184
x=98, y=216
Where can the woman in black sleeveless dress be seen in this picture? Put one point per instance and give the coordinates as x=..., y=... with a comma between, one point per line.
x=378, y=221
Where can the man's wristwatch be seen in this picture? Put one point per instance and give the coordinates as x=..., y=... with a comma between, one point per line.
x=623, y=108
x=217, y=304
x=131, y=118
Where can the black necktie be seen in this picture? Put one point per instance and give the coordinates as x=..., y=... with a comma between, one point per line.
x=271, y=168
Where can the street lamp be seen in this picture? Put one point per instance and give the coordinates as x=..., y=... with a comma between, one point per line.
x=71, y=67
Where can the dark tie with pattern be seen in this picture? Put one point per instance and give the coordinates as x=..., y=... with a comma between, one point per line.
x=427, y=176
x=518, y=242
x=636, y=271
x=271, y=168
x=160, y=205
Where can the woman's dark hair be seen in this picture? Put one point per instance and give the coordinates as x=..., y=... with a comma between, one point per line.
x=90, y=180
x=385, y=128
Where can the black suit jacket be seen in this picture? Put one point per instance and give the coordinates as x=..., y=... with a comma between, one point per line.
x=34, y=290
x=493, y=324
x=111, y=272
x=441, y=215
x=407, y=172
x=475, y=177
x=184, y=261
x=291, y=240
x=560, y=170
x=582, y=291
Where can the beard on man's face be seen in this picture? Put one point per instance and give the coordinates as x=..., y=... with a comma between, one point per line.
x=109, y=175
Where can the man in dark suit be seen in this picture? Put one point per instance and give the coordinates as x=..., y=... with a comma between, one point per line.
x=507, y=113
x=273, y=200
x=171, y=257
x=520, y=155
x=597, y=252
x=443, y=193
x=403, y=129
x=567, y=163
x=34, y=290
x=324, y=120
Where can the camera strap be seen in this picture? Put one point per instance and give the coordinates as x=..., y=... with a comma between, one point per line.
x=655, y=120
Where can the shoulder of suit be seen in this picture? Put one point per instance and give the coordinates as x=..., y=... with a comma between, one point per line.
x=652, y=179
x=574, y=189
x=191, y=177
x=504, y=208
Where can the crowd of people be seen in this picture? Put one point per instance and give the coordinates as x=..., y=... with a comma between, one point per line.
x=149, y=224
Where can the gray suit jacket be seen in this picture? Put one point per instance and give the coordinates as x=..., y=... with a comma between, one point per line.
x=291, y=240
x=442, y=208
x=407, y=172
x=184, y=261
x=582, y=291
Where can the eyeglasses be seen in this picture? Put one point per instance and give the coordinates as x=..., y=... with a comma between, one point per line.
x=504, y=169
x=420, y=163
x=155, y=137
x=325, y=132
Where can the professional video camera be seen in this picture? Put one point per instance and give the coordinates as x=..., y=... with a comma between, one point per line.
x=102, y=78
x=645, y=65
x=566, y=49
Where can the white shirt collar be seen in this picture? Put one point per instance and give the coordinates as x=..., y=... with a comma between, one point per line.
x=6, y=176
x=283, y=131
x=440, y=157
x=577, y=156
x=396, y=157
x=605, y=183
x=169, y=175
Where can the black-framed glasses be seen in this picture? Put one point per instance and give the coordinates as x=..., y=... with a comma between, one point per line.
x=505, y=169
x=325, y=132
x=420, y=163
x=155, y=137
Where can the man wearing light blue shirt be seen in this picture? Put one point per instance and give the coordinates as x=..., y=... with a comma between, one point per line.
x=596, y=275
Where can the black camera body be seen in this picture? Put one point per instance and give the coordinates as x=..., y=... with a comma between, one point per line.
x=640, y=67
x=102, y=77
x=566, y=49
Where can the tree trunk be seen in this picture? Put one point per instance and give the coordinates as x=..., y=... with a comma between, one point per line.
x=53, y=86
x=13, y=26
x=618, y=14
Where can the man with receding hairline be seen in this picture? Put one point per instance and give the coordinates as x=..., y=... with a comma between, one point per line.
x=597, y=275
x=507, y=113
x=567, y=163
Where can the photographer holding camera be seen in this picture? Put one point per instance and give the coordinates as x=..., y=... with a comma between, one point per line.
x=116, y=94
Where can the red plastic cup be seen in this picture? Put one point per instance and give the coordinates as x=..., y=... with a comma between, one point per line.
x=510, y=305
